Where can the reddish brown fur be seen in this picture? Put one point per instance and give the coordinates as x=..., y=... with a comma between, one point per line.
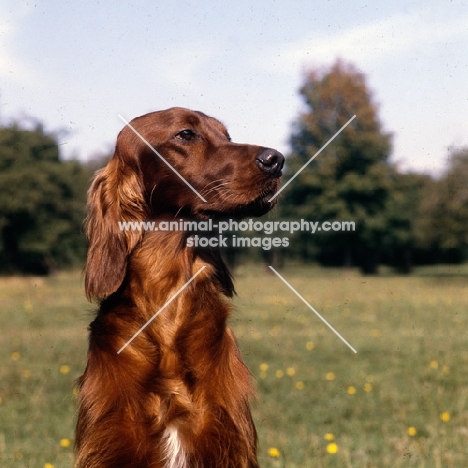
x=183, y=373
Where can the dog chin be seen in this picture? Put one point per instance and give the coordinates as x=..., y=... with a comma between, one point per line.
x=258, y=207
x=255, y=208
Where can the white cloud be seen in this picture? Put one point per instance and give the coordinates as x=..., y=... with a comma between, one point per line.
x=368, y=43
x=12, y=67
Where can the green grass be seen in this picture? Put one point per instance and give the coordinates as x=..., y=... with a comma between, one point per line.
x=411, y=367
x=42, y=329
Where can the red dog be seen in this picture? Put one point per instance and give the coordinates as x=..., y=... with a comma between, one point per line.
x=177, y=395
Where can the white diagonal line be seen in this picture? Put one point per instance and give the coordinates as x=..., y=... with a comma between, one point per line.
x=313, y=310
x=160, y=157
x=161, y=309
x=312, y=158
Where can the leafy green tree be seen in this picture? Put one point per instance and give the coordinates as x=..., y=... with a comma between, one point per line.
x=42, y=203
x=443, y=222
x=351, y=179
x=402, y=242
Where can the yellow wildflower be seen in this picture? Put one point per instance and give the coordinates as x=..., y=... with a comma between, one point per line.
x=367, y=387
x=445, y=416
x=65, y=443
x=299, y=385
x=332, y=448
x=273, y=452
x=64, y=369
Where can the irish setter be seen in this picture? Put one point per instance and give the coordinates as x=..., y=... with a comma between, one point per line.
x=177, y=396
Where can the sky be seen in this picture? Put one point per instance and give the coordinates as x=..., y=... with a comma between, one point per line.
x=74, y=66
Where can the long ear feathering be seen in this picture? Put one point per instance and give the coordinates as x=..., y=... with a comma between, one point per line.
x=116, y=195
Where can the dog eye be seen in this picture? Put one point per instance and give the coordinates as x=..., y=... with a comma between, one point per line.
x=186, y=135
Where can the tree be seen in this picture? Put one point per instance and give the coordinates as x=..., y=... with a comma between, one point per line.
x=402, y=240
x=443, y=222
x=42, y=203
x=352, y=179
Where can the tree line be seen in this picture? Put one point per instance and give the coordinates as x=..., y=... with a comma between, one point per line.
x=42, y=203
x=401, y=219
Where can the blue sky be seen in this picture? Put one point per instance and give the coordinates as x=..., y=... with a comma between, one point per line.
x=77, y=65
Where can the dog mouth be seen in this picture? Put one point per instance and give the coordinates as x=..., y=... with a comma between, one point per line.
x=268, y=195
x=261, y=204
x=257, y=207
x=264, y=201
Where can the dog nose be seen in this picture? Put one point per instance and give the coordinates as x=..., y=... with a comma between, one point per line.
x=270, y=161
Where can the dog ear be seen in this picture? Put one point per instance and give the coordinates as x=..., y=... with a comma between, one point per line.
x=115, y=196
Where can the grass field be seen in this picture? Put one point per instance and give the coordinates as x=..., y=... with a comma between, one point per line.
x=401, y=401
